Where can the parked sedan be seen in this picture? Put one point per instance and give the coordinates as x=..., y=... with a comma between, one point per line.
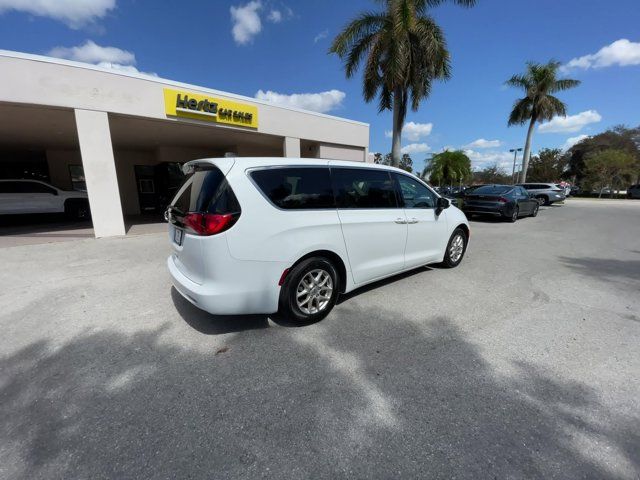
x=506, y=201
x=633, y=191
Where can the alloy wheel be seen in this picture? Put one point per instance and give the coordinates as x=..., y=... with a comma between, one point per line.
x=314, y=291
x=456, y=248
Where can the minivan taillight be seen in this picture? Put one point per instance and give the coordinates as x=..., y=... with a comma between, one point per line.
x=209, y=223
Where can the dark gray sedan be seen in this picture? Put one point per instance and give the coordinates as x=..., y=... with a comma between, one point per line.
x=506, y=201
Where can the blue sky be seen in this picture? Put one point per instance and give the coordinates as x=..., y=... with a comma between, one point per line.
x=276, y=49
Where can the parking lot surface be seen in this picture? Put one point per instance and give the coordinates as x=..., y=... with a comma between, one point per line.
x=521, y=363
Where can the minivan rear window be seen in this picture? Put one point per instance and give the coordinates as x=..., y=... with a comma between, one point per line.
x=206, y=191
x=296, y=188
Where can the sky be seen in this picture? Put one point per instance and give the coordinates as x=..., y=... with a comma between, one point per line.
x=278, y=51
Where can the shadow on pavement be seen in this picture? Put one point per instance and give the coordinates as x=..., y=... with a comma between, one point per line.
x=327, y=401
x=381, y=283
x=210, y=324
x=606, y=269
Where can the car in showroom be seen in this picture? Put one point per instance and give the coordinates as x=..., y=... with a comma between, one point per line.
x=25, y=196
x=267, y=235
x=545, y=193
x=509, y=202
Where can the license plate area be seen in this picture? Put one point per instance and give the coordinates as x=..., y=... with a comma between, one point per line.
x=178, y=236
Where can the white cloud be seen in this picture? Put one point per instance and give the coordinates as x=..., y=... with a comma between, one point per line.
x=571, y=141
x=318, y=102
x=321, y=36
x=105, y=57
x=415, y=148
x=480, y=160
x=570, y=123
x=75, y=13
x=413, y=131
x=621, y=53
x=275, y=16
x=482, y=143
x=90, y=52
x=246, y=22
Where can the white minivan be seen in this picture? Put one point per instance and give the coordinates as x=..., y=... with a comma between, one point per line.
x=267, y=235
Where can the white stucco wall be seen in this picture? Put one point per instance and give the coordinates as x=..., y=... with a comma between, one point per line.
x=33, y=79
x=342, y=152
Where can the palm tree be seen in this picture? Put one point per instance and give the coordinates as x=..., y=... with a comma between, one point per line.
x=448, y=167
x=539, y=83
x=403, y=51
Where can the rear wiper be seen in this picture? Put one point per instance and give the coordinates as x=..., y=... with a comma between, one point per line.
x=170, y=209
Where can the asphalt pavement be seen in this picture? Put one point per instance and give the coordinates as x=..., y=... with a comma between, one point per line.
x=523, y=362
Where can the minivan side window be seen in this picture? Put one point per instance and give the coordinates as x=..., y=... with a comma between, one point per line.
x=415, y=194
x=296, y=188
x=363, y=188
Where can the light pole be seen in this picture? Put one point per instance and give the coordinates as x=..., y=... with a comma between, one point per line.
x=515, y=154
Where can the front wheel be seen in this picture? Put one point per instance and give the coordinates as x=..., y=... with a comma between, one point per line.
x=456, y=248
x=309, y=291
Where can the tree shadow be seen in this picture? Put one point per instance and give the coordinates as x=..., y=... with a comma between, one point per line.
x=365, y=394
x=606, y=269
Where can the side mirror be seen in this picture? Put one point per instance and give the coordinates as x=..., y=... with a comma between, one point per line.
x=441, y=204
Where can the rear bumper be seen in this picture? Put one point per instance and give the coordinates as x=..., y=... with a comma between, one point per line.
x=248, y=288
x=474, y=210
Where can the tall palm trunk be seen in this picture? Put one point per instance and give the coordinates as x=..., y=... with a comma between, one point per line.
x=527, y=150
x=398, y=120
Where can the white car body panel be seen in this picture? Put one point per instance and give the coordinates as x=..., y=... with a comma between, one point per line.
x=238, y=271
x=36, y=202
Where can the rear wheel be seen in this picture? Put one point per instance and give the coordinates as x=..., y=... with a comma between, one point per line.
x=456, y=248
x=309, y=291
x=514, y=215
x=542, y=200
x=77, y=209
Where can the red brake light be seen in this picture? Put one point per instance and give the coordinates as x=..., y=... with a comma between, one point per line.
x=503, y=200
x=209, y=223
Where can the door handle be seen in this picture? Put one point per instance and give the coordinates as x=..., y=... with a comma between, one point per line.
x=413, y=220
x=400, y=220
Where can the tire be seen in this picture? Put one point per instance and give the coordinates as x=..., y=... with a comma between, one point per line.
x=542, y=200
x=534, y=213
x=292, y=304
x=451, y=259
x=78, y=210
x=514, y=215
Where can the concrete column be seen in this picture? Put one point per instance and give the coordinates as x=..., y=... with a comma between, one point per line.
x=291, y=147
x=94, y=137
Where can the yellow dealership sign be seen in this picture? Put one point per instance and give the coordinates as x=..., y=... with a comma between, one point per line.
x=210, y=109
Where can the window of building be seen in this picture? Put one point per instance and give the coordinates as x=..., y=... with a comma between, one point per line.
x=77, y=178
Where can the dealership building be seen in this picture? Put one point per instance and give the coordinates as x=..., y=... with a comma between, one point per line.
x=123, y=136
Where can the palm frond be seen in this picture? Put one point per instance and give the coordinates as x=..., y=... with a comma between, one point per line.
x=365, y=24
x=521, y=111
x=564, y=84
